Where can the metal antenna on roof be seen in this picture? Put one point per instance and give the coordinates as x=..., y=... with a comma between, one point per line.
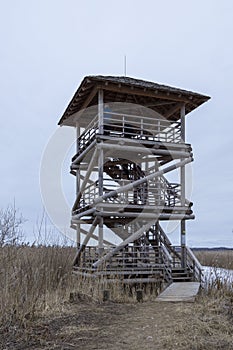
x=125, y=65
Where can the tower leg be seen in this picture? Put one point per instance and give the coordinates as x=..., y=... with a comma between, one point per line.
x=78, y=227
x=101, y=237
x=101, y=170
x=183, y=244
x=182, y=180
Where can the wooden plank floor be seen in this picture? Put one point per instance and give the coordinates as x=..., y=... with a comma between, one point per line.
x=180, y=291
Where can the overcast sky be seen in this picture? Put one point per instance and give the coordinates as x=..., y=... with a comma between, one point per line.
x=48, y=46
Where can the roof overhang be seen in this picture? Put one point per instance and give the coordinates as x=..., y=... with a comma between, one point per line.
x=163, y=99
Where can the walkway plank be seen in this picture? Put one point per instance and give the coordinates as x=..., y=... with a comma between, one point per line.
x=180, y=291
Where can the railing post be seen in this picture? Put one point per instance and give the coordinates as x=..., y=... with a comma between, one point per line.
x=194, y=270
x=159, y=130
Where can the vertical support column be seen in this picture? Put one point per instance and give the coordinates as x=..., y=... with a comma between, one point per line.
x=78, y=234
x=182, y=181
x=101, y=168
x=101, y=111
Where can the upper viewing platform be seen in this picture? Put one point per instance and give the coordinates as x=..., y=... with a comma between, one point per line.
x=131, y=108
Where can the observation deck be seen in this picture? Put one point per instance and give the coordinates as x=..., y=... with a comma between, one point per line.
x=129, y=167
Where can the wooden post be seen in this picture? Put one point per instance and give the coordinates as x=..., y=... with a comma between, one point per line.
x=101, y=111
x=101, y=168
x=139, y=293
x=182, y=181
x=78, y=226
x=101, y=236
x=106, y=295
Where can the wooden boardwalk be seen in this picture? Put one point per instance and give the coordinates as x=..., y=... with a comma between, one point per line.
x=180, y=292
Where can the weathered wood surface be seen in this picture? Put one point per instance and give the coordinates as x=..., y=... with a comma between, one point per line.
x=180, y=291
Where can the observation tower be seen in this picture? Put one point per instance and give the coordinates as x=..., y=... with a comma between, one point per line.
x=130, y=142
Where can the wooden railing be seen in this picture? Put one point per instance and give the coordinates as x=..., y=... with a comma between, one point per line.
x=194, y=264
x=132, y=261
x=167, y=262
x=131, y=126
x=159, y=193
x=142, y=127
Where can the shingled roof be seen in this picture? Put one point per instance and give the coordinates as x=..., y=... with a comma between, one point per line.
x=160, y=98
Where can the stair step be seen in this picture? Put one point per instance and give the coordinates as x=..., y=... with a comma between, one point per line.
x=180, y=279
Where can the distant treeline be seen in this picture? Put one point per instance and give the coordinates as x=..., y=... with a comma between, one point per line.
x=211, y=249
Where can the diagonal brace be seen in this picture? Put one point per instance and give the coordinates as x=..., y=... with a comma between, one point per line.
x=86, y=240
x=128, y=240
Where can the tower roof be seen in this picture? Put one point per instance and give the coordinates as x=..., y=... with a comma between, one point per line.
x=163, y=99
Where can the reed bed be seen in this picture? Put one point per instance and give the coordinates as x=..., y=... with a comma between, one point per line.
x=216, y=258
x=35, y=279
x=32, y=279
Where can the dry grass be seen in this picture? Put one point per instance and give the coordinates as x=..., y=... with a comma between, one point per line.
x=35, y=285
x=216, y=258
x=36, y=279
x=31, y=280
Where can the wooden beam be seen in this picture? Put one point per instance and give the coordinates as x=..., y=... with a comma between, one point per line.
x=174, y=109
x=89, y=98
x=83, y=213
x=152, y=151
x=182, y=193
x=143, y=215
x=101, y=165
x=89, y=180
x=101, y=110
x=95, y=237
x=82, y=155
x=78, y=233
x=143, y=143
x=148, y=93
x=146, y=208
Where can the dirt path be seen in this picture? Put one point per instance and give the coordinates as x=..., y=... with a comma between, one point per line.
x=149, y=325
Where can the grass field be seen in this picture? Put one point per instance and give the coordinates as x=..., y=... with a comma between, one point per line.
x=35, y=287
x=216, y=258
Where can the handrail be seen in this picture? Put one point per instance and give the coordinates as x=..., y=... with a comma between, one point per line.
x=197, y=267
x=167, y=261
x=193, y=257
x=166, y=253
x=170, y=121
x=154, y=194
x=156, y=128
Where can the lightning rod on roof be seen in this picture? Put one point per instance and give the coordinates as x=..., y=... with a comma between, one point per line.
x=125, y=65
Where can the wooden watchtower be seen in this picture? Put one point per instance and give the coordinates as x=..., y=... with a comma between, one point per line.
x=130, y=136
